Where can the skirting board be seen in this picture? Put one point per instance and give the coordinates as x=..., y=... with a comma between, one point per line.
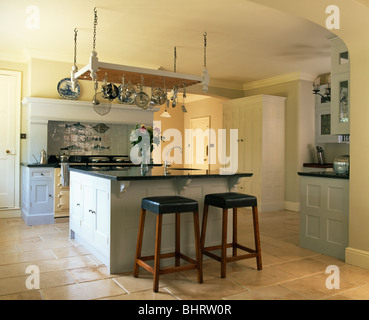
x=292, y=206
x=10, y=213
x=357, y=257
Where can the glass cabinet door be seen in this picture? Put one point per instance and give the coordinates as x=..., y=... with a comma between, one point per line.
x=340, y=104
x=344, y=101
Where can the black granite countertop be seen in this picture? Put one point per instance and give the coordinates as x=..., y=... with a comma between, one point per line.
x=155, y=173
x=325, y=174
x=39, y=165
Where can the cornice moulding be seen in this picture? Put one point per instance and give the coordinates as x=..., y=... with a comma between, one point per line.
x=279, y=79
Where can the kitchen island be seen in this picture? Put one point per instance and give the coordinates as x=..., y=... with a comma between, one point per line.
x=105, y=209
x=324, y=212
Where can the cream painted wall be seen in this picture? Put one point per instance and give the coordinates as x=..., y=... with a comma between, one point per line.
x=354, y=23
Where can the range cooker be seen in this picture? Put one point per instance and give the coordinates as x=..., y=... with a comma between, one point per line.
x=98, y=162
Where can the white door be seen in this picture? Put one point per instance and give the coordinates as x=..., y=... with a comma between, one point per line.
x=9, y=138
x=200, y=142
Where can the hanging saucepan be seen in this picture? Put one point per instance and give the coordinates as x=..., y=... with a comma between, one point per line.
x=127, y=92
x=142, y=99
x=158, y=97
x=110, y=91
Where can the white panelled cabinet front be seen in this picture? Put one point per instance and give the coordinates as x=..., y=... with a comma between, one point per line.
x=90, y=212
x=260, y=121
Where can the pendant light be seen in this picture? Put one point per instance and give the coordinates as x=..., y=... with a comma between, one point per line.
x=166, y=114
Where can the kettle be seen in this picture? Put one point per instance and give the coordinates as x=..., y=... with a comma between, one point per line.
x=43, y=157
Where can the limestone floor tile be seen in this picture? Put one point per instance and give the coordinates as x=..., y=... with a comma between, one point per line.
x=10, y=258
x=213, y=289
x=355, y=275
x=267, y=293
x=253, y=278
x=90, y=273
x=26, y=295
x=358, y=293
x=144, y=295
x=18, y=284
x=314, y=287
x=84, y=291
x=65, y=263
x=303, y=267
x=69, y=251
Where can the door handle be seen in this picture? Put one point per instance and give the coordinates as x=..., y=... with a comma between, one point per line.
x=7, y=151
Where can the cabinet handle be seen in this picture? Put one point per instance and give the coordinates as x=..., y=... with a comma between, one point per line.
x=42, y=174
x=59, y=195
x=50, y=196
x=78, y=204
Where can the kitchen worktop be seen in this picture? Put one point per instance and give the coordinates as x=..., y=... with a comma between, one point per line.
x=155, y=173
x=325, y=174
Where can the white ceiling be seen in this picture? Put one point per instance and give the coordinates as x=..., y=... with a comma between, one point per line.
x=246, y=41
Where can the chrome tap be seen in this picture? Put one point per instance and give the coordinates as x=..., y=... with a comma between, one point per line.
x=166, y=164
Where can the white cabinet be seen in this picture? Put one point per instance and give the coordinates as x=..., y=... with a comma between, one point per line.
x=340, y=91
x=90, y=212
x=260, y=121
x=324, y=215
x=37, y=195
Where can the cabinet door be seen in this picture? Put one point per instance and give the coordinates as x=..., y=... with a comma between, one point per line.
x=88, y=212
x=42, y=196
x=340, y=106
x=102, y=216
x=76, y=203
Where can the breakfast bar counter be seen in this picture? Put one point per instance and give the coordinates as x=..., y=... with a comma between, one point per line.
x=105, y=209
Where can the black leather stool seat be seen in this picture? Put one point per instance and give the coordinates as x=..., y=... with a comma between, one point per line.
x=229, y=200
x=169, y=204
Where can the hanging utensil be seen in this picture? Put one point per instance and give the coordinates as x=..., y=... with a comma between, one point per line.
x=99, y=107
x=142, y=99
x=110, y=91
x=174, y=97
x=184, y=97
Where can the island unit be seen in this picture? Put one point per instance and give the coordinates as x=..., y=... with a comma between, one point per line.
x=324, y=212
x=105, y=209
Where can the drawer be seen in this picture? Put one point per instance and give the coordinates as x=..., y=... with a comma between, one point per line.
x=63, y=197
x=38, y=174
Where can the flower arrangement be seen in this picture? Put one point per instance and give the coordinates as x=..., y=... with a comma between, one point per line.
x=139, y=137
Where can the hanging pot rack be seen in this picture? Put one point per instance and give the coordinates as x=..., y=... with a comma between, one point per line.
x=153, y=77
x=97, y=70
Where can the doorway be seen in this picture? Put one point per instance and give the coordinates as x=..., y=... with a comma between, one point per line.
x=10, y=93
x=200, y=143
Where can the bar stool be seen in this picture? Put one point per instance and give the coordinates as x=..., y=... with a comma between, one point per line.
x=165, y=205
x=231, y=200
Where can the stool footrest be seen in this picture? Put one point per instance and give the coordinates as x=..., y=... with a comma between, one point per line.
x=166, y=270
x=252, y=253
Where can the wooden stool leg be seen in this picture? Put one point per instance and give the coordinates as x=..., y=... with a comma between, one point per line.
x=223, y=258
x=159, y=222
x=257, y=237
x=234, y=242
x=139, y=241
x=197, y=246
x=203, y=227
x=177, y=240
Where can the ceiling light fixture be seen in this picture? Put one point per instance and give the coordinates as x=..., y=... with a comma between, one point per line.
x=166, y=114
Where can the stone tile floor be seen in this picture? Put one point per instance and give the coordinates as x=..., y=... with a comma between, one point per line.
x=68, y=271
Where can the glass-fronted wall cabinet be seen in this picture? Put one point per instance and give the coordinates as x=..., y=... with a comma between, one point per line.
x=340, y=92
